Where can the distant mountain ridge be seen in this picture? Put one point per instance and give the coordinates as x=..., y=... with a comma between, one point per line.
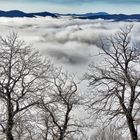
x=99, y=15
x=17, y=13
x=83, y=15
x=114, y=17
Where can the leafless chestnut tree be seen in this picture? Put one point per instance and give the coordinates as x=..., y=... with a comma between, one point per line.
x=22, y=71
x=115, y=85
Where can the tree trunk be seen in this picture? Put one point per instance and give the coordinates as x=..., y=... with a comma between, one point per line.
x=9, y=135
x=61, y=137
x=10, y=122
x=133, y=131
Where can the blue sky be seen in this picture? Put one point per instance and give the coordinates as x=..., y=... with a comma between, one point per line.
x=73, y=6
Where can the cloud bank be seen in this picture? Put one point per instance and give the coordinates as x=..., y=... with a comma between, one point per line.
x=68, y=42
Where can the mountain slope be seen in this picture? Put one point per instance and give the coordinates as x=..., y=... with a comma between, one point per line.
x=17, y=13
x=115, y=17
x=101, y=15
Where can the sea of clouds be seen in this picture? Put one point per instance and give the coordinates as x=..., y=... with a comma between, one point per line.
x=70, y=43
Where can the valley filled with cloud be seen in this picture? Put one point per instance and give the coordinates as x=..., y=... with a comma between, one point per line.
x=70, y=43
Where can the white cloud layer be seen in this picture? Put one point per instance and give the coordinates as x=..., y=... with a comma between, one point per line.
x=69, y=42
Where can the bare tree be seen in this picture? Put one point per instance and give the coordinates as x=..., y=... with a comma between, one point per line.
x=115, y=85
x=22, y=71
x=63, y=98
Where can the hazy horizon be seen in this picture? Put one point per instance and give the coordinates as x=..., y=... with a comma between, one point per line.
x=71, y=6
x=66, y=12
